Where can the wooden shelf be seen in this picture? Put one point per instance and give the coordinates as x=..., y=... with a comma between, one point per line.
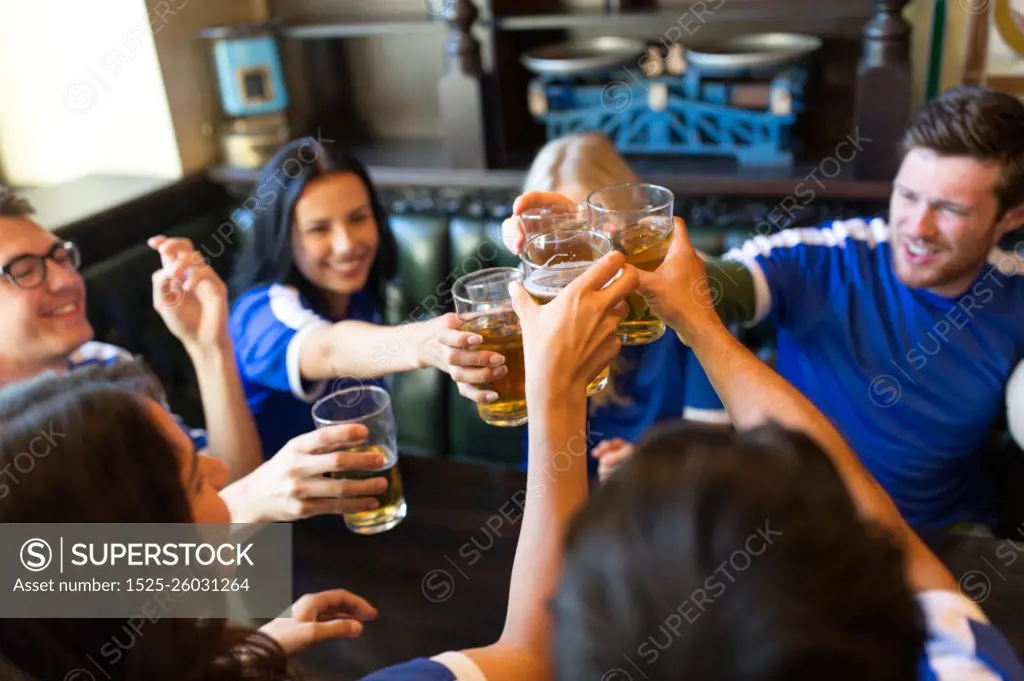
x=424, y=163
x=362, y=28
x=660, y=21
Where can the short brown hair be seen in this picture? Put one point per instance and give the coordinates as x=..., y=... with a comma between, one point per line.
x=12, y=205
x=979, y=123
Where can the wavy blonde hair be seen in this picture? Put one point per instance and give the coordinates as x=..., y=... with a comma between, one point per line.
x=583, y=163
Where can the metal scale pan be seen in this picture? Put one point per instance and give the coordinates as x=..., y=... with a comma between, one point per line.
x=759, y=52
x=583, y=56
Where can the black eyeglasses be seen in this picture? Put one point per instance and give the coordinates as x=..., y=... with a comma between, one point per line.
x=29, y=271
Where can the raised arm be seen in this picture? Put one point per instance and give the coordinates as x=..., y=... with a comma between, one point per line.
x=192, y=300
x=753, y=393
x=566, y=343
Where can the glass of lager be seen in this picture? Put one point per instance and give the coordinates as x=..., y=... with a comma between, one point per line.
x=484, y=307
x=554, y=260
x=544, y=220
x=638, y=220
x=369, y=405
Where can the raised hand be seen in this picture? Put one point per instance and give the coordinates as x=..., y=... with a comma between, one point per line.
x=188, y=294
x=320, y=617
x=573, y=336
x=611, y=454
x=679, y=291
x=513, y=235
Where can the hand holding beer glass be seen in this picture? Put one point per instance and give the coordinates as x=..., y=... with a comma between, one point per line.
x=638, y=220
x=370, y=406
x=484, y=307
x=554, y=260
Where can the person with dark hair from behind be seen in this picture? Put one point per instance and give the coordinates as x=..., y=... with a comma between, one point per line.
x=104, y=416
x=905, y=332
x=309, y=291
x=108, y=414
x=766, y=553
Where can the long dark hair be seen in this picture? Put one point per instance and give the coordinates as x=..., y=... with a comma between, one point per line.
x=266, y=256
x=720, y=555
x=89, y=452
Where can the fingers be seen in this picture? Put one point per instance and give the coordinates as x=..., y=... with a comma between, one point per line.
x=337, y=462
x=459, y=339
x=334, y=630
x=341, y=602
x=471, y=358
x=606, y=446
x=522, y=303
x=173, y=250
x=477, y=375
x=311, y=508
x=478, y=395
x=622, y=286
x=328, y=439
x=534, y=200
x=513, y=236
x=600, y=273
x=335, y=488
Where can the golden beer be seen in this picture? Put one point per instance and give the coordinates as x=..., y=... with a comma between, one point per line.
x=392, y=507
x=645, y=246
x=501, y=334
x=543, y=285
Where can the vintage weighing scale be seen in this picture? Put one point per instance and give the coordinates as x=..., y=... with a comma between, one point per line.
x=252, y=92
x=738, y=98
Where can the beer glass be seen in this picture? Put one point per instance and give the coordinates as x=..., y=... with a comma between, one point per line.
x=638, y=220
x=369, y=405
x=554, y=260
x=544, y=220
x=484, y=307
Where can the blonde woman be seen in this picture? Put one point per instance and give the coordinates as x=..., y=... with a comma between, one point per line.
x=648, y=383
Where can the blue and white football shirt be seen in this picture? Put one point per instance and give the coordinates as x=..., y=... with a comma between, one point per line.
x=95, y=353
x=912, y=380
x=961, y=646
x=268, y=326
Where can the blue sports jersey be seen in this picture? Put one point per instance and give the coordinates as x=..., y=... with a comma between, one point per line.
x=93, y=353
x=659, y=381
x=913, y=380
x=268, y=325
x=961, y=646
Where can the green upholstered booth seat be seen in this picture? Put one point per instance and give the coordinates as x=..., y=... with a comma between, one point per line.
x=433, y=419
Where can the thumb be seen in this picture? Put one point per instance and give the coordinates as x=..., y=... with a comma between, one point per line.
x=522, y=303
x=681, y=244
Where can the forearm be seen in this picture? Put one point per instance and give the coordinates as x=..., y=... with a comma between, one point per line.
x=556, y=488
x=731, y=289
x=753, y=394
x=361, y=350
x=230, y=428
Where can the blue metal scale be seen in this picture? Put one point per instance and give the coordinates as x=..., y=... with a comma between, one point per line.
x=744, y=114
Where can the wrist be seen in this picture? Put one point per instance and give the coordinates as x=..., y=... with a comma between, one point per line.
x=214, y=350
x=238, y=500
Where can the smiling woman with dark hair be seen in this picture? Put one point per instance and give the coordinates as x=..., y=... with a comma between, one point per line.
x=310, y=286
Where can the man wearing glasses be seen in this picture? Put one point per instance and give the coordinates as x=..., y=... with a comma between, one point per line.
x=42, y=305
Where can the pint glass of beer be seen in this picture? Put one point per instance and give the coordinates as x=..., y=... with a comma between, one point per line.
x=484, y=307
x=552, y=261
x=369, y=405
x=544, y=220
x=638, y=220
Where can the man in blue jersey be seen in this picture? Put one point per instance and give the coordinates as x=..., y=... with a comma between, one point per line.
x=42, y=303
x=904, y=333
x=685, y=564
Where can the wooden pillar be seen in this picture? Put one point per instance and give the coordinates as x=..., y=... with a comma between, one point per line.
x=883, y=91
x=461, y=90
